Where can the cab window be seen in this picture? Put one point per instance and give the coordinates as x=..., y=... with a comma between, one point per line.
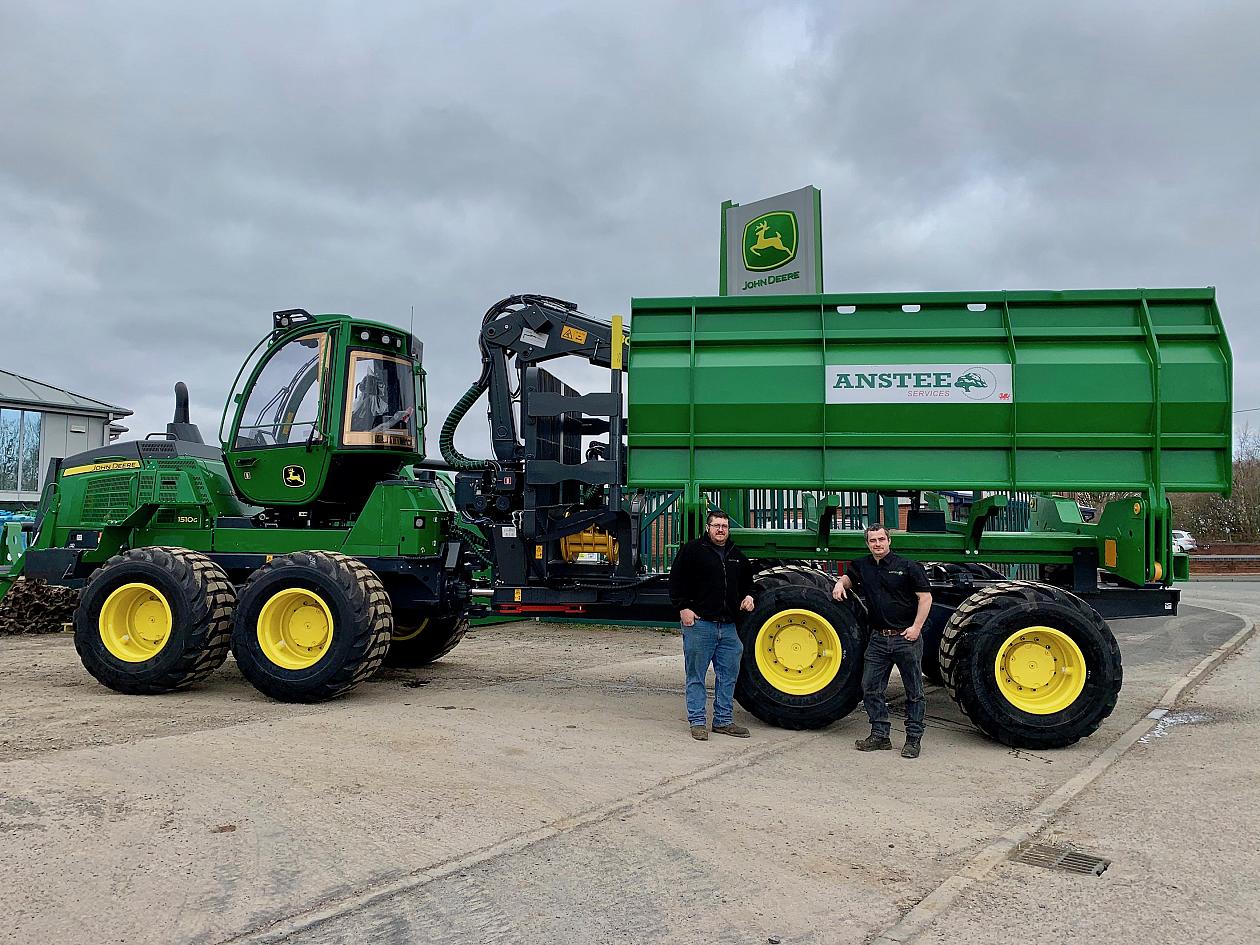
x=283, y=406
x=381, y=409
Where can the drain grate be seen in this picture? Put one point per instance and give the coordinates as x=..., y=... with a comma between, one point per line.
x=1060, y=858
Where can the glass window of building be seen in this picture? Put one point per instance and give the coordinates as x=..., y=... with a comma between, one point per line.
x=19, y=450
x=28, y=473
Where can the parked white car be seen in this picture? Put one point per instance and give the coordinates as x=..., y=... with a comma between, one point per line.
x=1183, y=542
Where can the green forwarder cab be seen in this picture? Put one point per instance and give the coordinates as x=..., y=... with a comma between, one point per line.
x=311, y=509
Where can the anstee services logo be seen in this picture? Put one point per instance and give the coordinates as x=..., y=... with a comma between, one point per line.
x=978, y=383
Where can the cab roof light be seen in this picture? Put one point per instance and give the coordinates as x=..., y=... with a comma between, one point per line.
x=385, y=338
x=287, y=318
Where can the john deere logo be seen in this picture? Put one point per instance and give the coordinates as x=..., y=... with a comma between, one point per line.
x=294, y=476
x=770, y=241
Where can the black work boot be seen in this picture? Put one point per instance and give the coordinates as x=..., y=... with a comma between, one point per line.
x=911, y=749
x=873, y=742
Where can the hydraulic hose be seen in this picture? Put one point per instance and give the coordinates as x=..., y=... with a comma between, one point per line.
x=446, y=440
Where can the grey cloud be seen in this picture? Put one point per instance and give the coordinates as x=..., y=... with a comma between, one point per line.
x=170, y=173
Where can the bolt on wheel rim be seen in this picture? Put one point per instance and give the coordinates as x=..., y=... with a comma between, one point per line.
x=1040, y=670
x=798, y=652
x=135, y=622
x=295, y=628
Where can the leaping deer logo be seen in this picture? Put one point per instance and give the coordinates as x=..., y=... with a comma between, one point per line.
x=767, y=242
x=294, y=476
x=770, y=240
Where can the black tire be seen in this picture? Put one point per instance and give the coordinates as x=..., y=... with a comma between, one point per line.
x=760, y=565
x=200, y=598
x=362, y=622
x=944, y=570
x=426, y=641
x=933, y=631
x=775, y=706
x=986, y=620
x=801, y=575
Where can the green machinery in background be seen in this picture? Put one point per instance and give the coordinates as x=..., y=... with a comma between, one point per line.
x=315, y=540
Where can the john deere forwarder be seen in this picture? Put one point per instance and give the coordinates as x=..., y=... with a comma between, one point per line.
x=316, y=541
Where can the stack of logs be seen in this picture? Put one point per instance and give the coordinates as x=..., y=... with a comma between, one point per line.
x=34, y=606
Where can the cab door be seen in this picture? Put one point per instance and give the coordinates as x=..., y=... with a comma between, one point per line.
x=279, y=445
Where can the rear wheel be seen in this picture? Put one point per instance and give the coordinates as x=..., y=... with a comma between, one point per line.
x=933, y=628
x=152, y=620
x=1031, y=665
x=802, y=662
x=428, y=640
x=796, y=574
x=311, y=626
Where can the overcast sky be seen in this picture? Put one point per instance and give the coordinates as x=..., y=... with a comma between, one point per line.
x=170, y=173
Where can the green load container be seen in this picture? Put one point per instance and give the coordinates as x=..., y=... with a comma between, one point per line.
x=1118, y=389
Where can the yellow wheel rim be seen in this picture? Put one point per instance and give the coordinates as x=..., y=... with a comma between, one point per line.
x=135, y=622
x=405, y=634
x=1040, y=670
x=798, y=652
x=295, y=628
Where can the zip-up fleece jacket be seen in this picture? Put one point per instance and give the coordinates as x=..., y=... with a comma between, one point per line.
x=701, y=581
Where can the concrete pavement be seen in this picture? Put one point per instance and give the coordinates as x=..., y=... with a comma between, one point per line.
x=1178, y=816
x=538, y=785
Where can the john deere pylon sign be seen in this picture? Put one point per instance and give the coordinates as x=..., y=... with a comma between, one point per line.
x=773, y=246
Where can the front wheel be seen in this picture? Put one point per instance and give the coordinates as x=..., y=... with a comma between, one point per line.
x=311, y=626
x=802, y=662
x=153, y=620
x=1031, y=665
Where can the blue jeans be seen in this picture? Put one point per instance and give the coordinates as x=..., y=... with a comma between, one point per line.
x=882, y=653
x=706, y=642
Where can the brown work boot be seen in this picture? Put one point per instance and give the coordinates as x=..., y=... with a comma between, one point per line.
x=731, y=728
x=911, y=749
x=873, y=742
x=700, y=733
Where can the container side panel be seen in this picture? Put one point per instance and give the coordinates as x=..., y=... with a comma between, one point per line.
x=1076, y=390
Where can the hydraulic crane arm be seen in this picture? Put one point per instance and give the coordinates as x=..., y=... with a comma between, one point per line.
x=536, y=492
x=540, y=330
x=529, y=329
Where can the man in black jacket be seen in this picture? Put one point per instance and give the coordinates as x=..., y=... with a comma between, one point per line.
x=710, y=582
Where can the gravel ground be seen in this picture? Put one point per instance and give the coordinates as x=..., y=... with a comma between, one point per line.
x=536, y=785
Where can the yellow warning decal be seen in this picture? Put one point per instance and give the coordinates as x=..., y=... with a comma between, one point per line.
x=538, y=552
x=576, y=335
x=516, y=595
x=101, y=467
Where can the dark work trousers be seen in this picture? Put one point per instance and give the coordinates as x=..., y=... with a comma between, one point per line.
x=882, y=654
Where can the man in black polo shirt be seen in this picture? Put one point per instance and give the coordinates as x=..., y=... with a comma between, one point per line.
x=898, y=599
